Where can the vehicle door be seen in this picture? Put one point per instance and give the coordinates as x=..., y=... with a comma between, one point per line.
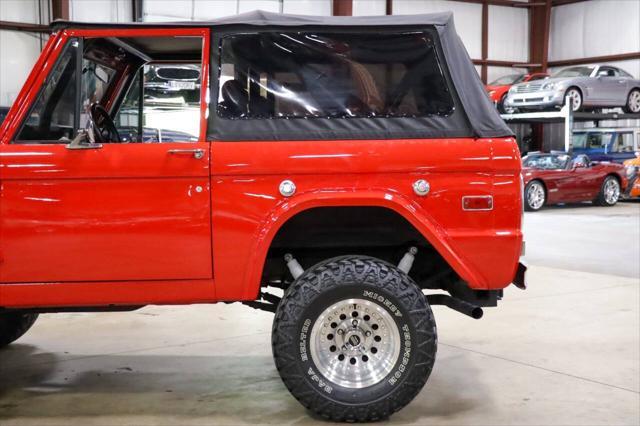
x=595, y=143
x=584, y=179
x=611, y=87
x=126, y=208
x=622, y=146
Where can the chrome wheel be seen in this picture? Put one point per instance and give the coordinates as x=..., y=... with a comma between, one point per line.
x=355, y=343
x=575, y=97
x=611, y=191
x=535, y=196
x=633, y=102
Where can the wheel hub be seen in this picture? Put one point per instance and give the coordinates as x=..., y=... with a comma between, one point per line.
x=536, y=196
x=354, y=340
x=612, y=191
x=355, y=343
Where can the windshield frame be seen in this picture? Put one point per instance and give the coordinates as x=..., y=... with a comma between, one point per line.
x=591, y=68
x=516, y=78
x=564, y=163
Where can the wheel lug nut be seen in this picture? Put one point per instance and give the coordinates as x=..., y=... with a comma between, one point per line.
x=344, y=348
x=341, y=331
x=368, y=333
x=355, y=323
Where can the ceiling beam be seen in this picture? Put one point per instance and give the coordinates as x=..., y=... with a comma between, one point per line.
x=565, y=2
x=25, y=27
x=342, y=7
x=485, y=41
x=539, y=29
x=506, y=3
x=137, y=10
x=60, y=9
x=505, y=64
x=595, y=59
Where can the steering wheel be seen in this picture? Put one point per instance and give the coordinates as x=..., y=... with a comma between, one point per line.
x=104, y=128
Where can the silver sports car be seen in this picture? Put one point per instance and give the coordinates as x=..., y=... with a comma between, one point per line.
x=588, y=86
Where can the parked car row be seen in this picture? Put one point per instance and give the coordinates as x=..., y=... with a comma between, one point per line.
x=499, y=89
x=588, y=87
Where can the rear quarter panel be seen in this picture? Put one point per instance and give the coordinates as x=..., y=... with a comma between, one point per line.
x=247, y=208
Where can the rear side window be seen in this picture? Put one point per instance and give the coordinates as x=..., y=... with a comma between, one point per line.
x=624, y=143
x=331, y=75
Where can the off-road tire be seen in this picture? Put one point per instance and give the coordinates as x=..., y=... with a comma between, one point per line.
x=602, y=199
x=330, y=282
x=14, y=325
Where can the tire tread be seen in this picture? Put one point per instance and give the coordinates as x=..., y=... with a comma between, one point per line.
x=14, y=325
x=327, y=275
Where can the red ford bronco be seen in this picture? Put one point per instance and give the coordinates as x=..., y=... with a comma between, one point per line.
x=343, y=173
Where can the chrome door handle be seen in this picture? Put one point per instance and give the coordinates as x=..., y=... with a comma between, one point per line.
x=83, y=145
x=197, y=153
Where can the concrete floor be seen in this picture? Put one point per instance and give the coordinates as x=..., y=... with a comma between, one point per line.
x=564, y=352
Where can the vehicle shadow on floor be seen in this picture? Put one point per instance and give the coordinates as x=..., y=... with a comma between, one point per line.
x=223, y=389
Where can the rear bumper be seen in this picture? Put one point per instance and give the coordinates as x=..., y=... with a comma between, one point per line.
x=519, y=280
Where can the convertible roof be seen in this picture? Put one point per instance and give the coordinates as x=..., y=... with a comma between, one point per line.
x=260, y=18
x=475, y=115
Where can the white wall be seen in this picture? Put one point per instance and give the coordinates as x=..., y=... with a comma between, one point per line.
x=596, y=28
x=467, y=18
x=369, y=7
x=508, y=29
x=308, y=7
x=19, y=50
x=508, y=33
x=172, y=10
x=100, y=10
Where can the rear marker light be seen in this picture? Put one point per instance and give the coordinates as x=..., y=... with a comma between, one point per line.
x=477, y=202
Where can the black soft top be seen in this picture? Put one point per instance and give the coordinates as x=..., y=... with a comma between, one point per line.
x=480, y=116
x=260, y=18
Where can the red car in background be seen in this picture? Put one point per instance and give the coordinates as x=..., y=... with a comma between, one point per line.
x=557, y=178
x=498, y=89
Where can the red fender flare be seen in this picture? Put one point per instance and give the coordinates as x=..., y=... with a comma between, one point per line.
x=411, y=211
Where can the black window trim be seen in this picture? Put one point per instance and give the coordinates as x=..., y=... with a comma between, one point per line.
x=45, y=83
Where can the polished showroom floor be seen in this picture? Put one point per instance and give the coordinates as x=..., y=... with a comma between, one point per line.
x=564, y=352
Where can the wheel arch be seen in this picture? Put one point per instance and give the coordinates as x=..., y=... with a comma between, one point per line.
x=545, y=187
x=579, y=89
x=626, y=101
x=617, y=176
x=409, y=211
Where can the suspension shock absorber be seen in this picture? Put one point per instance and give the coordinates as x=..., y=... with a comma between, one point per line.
x=407, y=260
